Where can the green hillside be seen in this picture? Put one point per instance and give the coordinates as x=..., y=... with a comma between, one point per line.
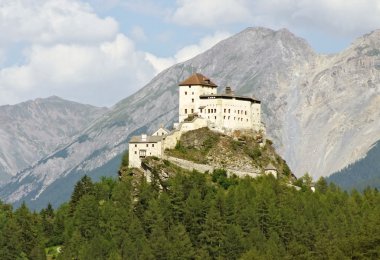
x=361, y=174
x=191, y=215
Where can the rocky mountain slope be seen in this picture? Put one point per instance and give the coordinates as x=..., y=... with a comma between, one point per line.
x=322, y=112
x=31, y=130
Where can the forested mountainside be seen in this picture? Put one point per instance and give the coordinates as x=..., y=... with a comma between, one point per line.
x=361, y=174
x=197, y=216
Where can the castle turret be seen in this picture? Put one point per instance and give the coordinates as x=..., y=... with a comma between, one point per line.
x=189, y=92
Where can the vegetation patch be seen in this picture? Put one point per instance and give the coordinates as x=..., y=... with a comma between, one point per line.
x=195, y=145
x=53, y=252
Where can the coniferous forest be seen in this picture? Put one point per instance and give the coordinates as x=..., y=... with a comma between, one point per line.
x=197, y=216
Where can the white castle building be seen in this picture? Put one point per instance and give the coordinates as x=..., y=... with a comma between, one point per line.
x=199, y=106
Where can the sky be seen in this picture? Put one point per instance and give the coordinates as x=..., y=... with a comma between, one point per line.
x=100, y=51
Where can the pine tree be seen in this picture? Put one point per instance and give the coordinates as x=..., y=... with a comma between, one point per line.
x=180, y=244
x=233, y=244
x=10, y=240
x=30, y=231
x=82, y=187
x=212, y=236
x=194, y=216
x=86, y=217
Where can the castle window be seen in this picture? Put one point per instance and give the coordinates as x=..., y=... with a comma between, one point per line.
x=238, y=111
x=192, y=93
x=208, y=111
x=215, y=117
x=189, y=86
x=224, y=117
x=192, y=100
x=142, y=153
x=228, y=117
x=147, y=145
x=135, y=145
x=247, y=120
x=185, y=111
x=245, y=112
x=135, y=152
x=185, y=92
x=229, y=110
x=192, y=110
x=215, y=110
x=225, y=110
x=152, y=145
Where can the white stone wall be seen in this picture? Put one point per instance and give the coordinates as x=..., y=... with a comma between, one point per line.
x=189, y=101
x=161, y=131
x=231, y=114
x=136, y=149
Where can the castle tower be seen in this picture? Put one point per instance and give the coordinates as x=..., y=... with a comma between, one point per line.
x=189, y=92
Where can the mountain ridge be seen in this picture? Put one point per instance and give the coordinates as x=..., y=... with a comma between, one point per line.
x=320, y=110
x=35, y=128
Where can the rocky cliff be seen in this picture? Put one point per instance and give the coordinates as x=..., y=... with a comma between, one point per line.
x=322, y=112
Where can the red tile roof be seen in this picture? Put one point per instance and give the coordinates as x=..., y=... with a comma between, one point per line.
x=197, y=79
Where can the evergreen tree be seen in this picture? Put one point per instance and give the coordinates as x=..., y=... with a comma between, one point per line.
x=194, y=216
x=82, y=187
x=233, y=244
x=86, y=217
x=31, y=238
x=212, y=236
x=180, y=244
x=10, y=240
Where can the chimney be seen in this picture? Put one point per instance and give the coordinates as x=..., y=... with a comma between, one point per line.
x=228, y=91
x=143, y=137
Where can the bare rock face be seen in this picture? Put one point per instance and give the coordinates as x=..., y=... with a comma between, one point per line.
x=31, y=130
x=322, y=112
x=339, y=109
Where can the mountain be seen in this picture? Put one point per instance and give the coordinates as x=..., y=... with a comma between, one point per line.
x=31, y=130
x=360, y=174
x=321, y=111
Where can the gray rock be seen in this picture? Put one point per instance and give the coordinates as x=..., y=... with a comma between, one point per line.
x=31, y=130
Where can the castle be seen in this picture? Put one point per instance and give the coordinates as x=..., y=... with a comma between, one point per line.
x=199, y=106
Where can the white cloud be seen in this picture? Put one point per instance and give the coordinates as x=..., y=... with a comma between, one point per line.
x=51, y=21
x=2, y=57
x=211, y=13
x=96, y=74
x=66, y=50
x=186, y=52
x=345, y=17
x=158, y=63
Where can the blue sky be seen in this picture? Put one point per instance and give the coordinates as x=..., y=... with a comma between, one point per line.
x=100, y=51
